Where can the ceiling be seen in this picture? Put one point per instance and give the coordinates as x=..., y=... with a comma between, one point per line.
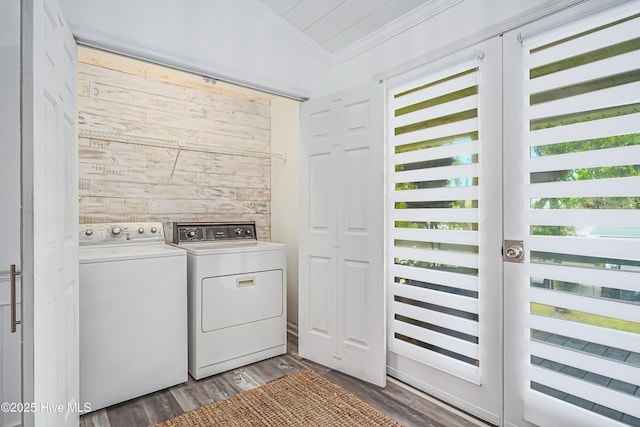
x=337, y=24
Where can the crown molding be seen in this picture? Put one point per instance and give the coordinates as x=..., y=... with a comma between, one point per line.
x=392, y=29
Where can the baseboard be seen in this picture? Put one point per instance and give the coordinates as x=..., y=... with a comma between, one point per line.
x=439, y=403
x=292, y=328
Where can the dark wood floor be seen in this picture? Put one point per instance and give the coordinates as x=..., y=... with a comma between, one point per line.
x=394, y=400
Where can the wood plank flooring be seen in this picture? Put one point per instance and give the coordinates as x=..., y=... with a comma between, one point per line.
x=394, y=400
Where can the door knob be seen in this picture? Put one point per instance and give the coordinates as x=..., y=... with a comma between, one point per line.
x=513, y=251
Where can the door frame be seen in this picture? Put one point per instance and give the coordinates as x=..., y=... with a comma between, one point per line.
x=510, y=401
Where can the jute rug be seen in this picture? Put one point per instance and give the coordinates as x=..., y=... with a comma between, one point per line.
x=302, y=399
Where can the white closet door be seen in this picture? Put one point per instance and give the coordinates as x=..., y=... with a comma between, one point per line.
x=49, y=215
x=341, y=285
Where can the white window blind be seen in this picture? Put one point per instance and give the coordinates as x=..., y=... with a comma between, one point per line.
x=583, y=113
x=433, y=246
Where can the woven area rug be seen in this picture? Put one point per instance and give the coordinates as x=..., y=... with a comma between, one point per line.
x=302, y=399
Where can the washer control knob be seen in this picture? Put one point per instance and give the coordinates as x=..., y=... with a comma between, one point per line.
x=140, y=230
x=238, y=231
x=191, y=234
x=116, y=231
x=88, y=232
x=154, y=230
x=248, y=231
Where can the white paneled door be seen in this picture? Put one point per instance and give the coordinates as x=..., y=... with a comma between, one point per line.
x=341, y=287
x=49, y=216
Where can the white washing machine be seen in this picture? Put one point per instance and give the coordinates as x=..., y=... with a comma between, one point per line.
x=133, y=312
x=236, y=296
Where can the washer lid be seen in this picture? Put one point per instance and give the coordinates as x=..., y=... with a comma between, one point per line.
x=108, y=253
x=230, y=247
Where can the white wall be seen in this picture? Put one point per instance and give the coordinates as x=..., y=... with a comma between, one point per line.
x=238, y=40
x=284, y=192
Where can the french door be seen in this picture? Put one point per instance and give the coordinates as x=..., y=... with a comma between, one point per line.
x=444, y=213
x=527, y=144
x=572, y=174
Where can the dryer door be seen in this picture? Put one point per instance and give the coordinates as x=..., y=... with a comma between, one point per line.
x=234, y=300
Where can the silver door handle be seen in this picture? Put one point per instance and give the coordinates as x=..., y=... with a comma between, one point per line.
x=14, y=273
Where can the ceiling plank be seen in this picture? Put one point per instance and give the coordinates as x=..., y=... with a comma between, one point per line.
x=373, y=22
x=348, y=14
x=281, y=7
x=308, y=12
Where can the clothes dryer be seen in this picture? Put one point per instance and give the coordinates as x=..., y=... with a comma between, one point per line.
x=236, y=296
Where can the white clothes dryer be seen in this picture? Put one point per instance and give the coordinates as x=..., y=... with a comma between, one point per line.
x=236, y=296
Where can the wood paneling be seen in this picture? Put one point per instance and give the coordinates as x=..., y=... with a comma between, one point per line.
x=129, y=182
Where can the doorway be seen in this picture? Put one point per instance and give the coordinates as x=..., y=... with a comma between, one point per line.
x=531, y=137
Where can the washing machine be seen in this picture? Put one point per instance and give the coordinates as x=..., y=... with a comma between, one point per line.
x=133, y=312
x=236, y=296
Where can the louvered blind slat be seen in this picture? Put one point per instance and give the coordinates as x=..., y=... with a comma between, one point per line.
x=553, y=331
x=580, y=304
x=461, y=128
x=437, y=236
x=605, y=127
x=462, y=282
x=585, y=217
x=606, y=397
x=438, y=215
x=592, y=279
x=459, y=324
x=591, y=247
x=606, y=368
x=606, y=157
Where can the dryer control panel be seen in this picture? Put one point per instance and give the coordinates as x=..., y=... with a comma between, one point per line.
x=210, y=232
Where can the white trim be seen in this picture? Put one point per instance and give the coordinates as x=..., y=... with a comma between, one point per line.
x=123, y=46
x=443, y=405
x=456, y=403
x=292, y=328
x=392, y=29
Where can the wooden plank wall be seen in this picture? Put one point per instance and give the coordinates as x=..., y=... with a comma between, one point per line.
x=129, y=182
